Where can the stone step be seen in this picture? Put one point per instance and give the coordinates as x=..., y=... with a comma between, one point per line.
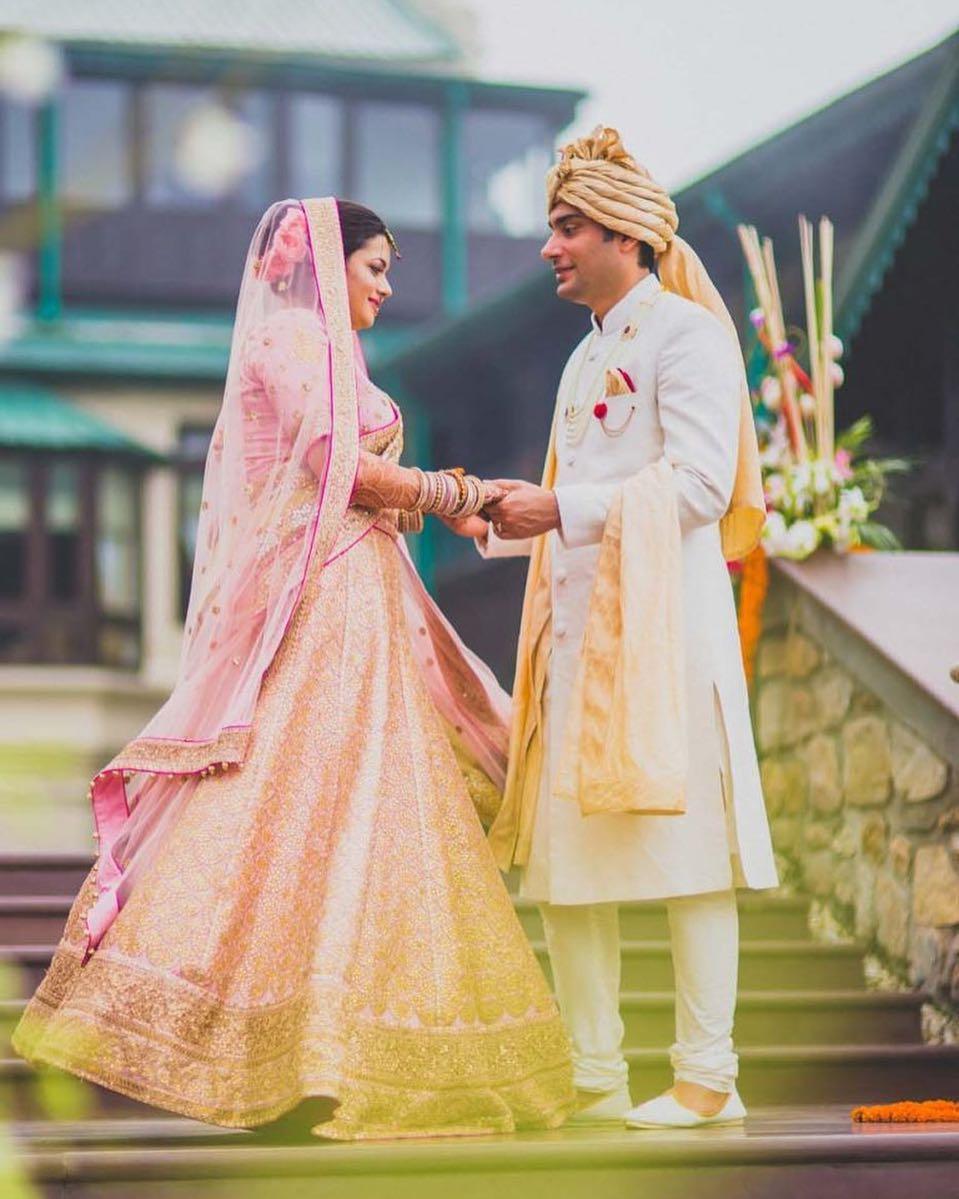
x=769, y=1074
x=33, y=919
x=786, y=1153
x=43, y=874
x=762, y=1018
x=761, y=918
x=647, y=966
x=763, y=966
x=39, y=919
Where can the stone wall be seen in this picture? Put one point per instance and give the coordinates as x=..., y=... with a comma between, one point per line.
x=864, y=811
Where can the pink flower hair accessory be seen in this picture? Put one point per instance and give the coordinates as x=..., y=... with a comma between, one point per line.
x=288, y=247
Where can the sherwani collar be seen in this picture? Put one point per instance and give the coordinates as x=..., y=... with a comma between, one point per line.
x=618, y=316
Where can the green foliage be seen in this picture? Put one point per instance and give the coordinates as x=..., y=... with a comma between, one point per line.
x=855, y=437
x=878, y=537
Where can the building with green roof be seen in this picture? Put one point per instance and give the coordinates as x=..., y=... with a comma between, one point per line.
x=131, y=274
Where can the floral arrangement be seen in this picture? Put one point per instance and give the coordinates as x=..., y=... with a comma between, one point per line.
x=820, y=490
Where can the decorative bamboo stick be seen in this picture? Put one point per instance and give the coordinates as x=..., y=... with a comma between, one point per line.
x=781, y=359
x=772, y=317
x=812, y=328
x=827, y=449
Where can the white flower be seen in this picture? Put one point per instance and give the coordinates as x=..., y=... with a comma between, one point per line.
x=771, y=391
x=844, y=537
x=774, y=534
x=801, y=476
x=30, y=69
x=834, y=346
x=837, y=373
x=807, y=404
x=801, y=539
x=822, y=477
x=852, y=505
x=775, y=486
x=215, y=149
x=800, y=485
x=773, y=452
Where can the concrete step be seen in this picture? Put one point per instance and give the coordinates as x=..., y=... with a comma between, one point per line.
x=776, y=1074
x=762, y=1018
x=647, y=966
x=39, y=919
x=43, y=874
x=788, y=1018
x=33, y=919
x=769, y=1074
x=762, y=917
x=763, y=966
x=790, y=1153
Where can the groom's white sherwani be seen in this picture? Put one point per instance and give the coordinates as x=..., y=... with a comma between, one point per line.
x=685, y=406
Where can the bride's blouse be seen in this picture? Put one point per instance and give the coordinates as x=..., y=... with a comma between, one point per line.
x=284, y=370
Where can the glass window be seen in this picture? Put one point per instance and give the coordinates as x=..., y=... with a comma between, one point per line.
x=168, y=108
x=117, y=554
x=316, y=146
x=14, y=520
x=257, y=188
x=94, y=142
x=505, y=158
x=398, y=163
x=18, y=148
x=63, y=530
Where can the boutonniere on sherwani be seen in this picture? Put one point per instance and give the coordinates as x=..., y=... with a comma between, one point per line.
x=618, y=383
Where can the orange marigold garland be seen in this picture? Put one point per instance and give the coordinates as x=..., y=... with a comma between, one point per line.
x=753, y=585
x=929, y=1111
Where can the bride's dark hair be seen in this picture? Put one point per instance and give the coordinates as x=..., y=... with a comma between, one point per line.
x=358, y=224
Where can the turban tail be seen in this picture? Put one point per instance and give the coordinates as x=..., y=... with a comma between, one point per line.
x=597, y=176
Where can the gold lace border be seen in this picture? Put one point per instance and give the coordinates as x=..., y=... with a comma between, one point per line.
x=384, y=1078
x=156, y=756
x=135, y=997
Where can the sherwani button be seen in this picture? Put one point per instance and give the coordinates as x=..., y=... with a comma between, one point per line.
x=561, y=631
x=570, y=459
x=561, y=577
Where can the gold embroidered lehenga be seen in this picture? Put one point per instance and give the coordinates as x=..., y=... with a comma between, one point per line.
x=326, y=919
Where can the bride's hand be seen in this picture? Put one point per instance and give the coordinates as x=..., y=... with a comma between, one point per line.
x=467, y=526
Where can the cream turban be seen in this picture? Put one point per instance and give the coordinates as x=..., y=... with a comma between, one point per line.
x=597, y=176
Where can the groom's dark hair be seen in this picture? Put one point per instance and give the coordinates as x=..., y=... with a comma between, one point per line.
x=647, y=255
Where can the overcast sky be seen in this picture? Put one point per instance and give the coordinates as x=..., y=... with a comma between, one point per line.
x=689, y=83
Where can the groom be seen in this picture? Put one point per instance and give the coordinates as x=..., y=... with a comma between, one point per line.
x=633, y=772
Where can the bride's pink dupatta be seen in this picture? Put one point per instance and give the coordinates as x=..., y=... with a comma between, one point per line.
x=265, y=517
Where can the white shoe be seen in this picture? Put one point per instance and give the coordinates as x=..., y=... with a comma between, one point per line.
x=665, y=1111
x=602, y=1107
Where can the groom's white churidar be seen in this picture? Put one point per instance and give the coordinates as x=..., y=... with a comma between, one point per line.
x=681, y=405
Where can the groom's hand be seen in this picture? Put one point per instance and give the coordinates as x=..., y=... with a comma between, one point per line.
x=525, y=511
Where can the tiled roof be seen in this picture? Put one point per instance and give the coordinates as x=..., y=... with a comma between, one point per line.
x=34, y=419
x=385, y=31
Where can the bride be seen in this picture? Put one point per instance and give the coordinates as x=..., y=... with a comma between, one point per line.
x=293, y=896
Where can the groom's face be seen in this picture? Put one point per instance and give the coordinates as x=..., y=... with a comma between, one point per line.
x=583, y=258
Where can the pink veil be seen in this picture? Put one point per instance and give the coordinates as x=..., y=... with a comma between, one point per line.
x=264, y=517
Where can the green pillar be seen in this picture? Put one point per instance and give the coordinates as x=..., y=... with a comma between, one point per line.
x=455, y=236
x=50, y=298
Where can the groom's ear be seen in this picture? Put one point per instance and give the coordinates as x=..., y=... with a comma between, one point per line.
x=629, y=245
